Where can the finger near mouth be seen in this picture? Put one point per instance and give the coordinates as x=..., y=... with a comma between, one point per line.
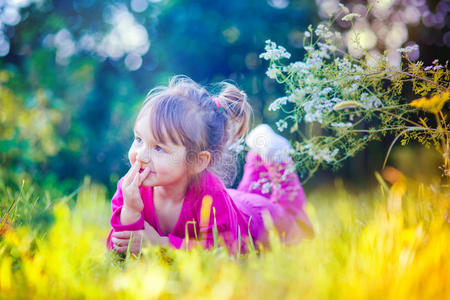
x=143, y=169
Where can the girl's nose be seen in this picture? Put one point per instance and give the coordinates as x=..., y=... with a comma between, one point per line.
x=143, y=155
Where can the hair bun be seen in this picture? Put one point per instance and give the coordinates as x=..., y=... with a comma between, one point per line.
x=238, y=110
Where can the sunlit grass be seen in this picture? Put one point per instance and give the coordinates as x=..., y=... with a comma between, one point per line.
x=385, y=244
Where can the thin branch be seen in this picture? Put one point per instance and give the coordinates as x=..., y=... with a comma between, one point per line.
x=424, y=79
x=411, y=75
x=399, y=117
x=395, y=140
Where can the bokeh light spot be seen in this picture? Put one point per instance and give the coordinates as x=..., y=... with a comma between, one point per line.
x=133, y=62
x=139, y=5
x=278, y=4
x=231, y=34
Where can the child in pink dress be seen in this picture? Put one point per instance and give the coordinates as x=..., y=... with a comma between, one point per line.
x=172, y=194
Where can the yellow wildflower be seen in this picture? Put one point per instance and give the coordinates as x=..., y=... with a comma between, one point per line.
x=433, y=104
x=206, y=210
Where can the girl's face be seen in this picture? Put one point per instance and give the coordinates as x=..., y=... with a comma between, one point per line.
x=166, y=161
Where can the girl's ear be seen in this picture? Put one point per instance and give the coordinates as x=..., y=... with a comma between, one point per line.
x=202, y=162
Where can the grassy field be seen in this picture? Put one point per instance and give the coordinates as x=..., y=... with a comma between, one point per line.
x=389, y=243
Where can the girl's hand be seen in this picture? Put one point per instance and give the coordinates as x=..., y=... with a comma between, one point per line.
x=141, y=238
x=132, y=200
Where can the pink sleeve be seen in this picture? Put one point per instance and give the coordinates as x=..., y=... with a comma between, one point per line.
x=116, y=207
x=175, y=241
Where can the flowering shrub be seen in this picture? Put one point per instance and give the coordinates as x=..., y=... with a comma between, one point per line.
x=338, y=103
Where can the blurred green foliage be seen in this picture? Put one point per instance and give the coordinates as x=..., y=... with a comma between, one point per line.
x=68, y=111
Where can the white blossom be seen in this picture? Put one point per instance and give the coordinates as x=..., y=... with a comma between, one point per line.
x=272, y=73
x=335, y=100
x=326, y=49
x=281, y=125
x=254, y=185
x=348, y=124
x=274, y=52
x=371, y=101
x=312, y=112
x=289, y=170
x=408, y=49
x=323, y=154
x=315, y=61
x=296, y=96
x=350, y=90
x=298, y=67
x=307, y=34
x=276, y=104
x=325, y=91
x=266, y=188
x=350, y=17
x=324, y=32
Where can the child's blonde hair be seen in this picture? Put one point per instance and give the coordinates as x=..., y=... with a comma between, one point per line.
x=189, y=115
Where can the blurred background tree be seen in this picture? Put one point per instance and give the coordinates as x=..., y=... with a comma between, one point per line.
x=74, y=73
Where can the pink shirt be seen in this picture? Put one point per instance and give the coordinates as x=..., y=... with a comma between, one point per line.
x=231, y=216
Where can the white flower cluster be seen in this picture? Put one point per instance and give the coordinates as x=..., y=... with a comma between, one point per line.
x=262, y=184
x=321, y=154
x=344, y=125
x=297, y=96
x=350, y=17
x=272, y=72
x=324, y=32
x=315, y=93
x=281, y=125
x=298, y=67
x=315, y=61
x=350, y=90
x=289, y=170
x=326, y=49
x=317, y=107
x=408, y=49
x=370, y=101
x=345, y=66
x=274, y=52
x=275, y=105
x=266, y=188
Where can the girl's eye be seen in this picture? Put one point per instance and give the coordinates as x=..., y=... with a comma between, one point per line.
x=159, y=149
x=138, y=140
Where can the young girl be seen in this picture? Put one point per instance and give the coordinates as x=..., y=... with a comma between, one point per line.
x=172, y=194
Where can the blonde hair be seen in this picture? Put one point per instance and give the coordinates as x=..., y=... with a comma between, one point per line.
x=188, y=115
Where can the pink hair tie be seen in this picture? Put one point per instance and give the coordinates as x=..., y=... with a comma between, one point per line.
x=216, y=99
